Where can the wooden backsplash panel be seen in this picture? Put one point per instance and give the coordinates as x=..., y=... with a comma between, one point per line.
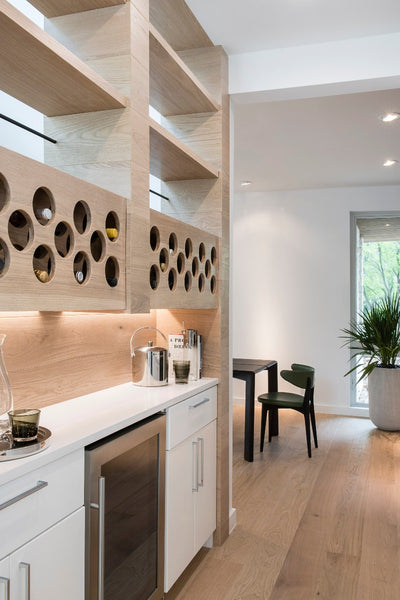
x=52, y=357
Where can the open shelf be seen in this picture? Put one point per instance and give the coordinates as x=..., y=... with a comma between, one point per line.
x=39, y=71
x=57, y=8
x=168, y=73
x=178, y=25
x=171, y=160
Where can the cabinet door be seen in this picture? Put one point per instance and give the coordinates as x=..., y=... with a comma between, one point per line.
x=52, y=565
x=179, y=514
x=205, y=499
x=4, y=578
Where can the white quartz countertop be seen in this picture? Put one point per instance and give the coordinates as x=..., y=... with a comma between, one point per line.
x=78, y=422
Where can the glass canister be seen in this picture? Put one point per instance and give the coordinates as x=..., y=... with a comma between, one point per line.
x=6, y=397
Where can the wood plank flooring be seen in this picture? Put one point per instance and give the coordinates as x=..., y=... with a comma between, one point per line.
x=326, y=527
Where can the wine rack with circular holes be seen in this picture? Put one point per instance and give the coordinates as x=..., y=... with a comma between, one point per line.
x=183, y=269
x=62, y=240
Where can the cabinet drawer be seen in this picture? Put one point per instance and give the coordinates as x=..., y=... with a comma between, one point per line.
x=44, y=505
x=186, y=417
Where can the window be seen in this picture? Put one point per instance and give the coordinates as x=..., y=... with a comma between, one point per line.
x=376, y=270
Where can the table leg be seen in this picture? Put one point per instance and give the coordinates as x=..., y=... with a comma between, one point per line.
x=273, y=387
x=249, y=418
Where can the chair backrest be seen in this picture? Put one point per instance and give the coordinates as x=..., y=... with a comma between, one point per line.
x=302, y=376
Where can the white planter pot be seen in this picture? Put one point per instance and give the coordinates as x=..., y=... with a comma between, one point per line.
x=384, y=398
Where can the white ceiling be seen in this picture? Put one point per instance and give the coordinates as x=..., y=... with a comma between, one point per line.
x=249, y=25
x=316, y=142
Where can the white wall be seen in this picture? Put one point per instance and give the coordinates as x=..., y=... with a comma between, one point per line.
x=291, y=281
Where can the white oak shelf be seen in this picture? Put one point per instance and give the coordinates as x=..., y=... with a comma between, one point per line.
x=171, y=160
x=174, y=89
x=39, y=71
x=178, y=25
x=58, y=8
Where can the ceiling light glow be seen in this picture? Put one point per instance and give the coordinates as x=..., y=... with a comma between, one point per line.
x=389, y=162
x=245, y=183
x=389, y=117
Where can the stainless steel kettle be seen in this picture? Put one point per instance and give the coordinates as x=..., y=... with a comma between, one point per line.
x=149, y=363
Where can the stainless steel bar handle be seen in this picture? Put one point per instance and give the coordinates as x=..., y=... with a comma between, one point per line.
x=201, y=482
x=195, y=482
x=101, y=519
x=39, y=486
x=199, y=403
x=27, y=569
x=6, y=584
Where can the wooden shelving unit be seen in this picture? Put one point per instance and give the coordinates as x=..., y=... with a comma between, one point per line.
x=171, y=160
x=168, y=73
x=58, y=8
x=40, y=72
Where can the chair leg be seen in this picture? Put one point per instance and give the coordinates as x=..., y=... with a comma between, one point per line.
x=264, y=411
x=307, y=424
x=314, y=425
x=271, y=429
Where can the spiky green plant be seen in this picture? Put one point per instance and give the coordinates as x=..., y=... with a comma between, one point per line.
x=375, y=336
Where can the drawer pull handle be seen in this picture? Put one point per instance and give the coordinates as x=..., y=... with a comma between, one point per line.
x=201, y=442
x=39, y=486
x=199, y=403
x=195, y=472
x=27, y=568
x=6, y=583
x=101, y=507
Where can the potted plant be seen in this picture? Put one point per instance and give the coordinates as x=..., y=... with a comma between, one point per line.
x=374, y=339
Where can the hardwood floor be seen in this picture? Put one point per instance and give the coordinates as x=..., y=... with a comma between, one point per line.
x=326, y=527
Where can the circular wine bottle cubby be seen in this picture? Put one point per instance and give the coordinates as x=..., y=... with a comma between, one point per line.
x=112, y=226
x=63, y=239
x=195, y=266
x=81, y=267
x=213, y=284
x=154, y=277
x=180, y=263
x=20, y=229
x=4, y=258
x=112, y=271
x=213, y=255
x=201, y=283
x=164, y=260
x=188, y=248
x=97, y=245
x=81, y=216
x=207, y=269
x=43, y=263
x=173, y=244
x=188, y=281
x=154, y=238
x=202, y=252
x=172, y=277
x=4, y=192
x=43, y=205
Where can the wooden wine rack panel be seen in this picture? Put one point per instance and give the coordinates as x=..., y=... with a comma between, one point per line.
x=184, y=265
x=62, y=240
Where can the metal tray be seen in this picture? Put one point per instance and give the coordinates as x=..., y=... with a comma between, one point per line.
x=10, y=450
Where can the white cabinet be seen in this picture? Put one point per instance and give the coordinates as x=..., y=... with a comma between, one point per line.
x=52, y=565
x=42, y=520
x=190, y=503
x=4, y=579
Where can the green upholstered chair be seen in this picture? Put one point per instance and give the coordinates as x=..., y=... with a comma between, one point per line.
x=301, y=376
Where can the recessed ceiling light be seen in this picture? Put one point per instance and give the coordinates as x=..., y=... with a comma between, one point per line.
x=244, y=183
x=389, y=117
x=389, y=162
x=387, y=224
